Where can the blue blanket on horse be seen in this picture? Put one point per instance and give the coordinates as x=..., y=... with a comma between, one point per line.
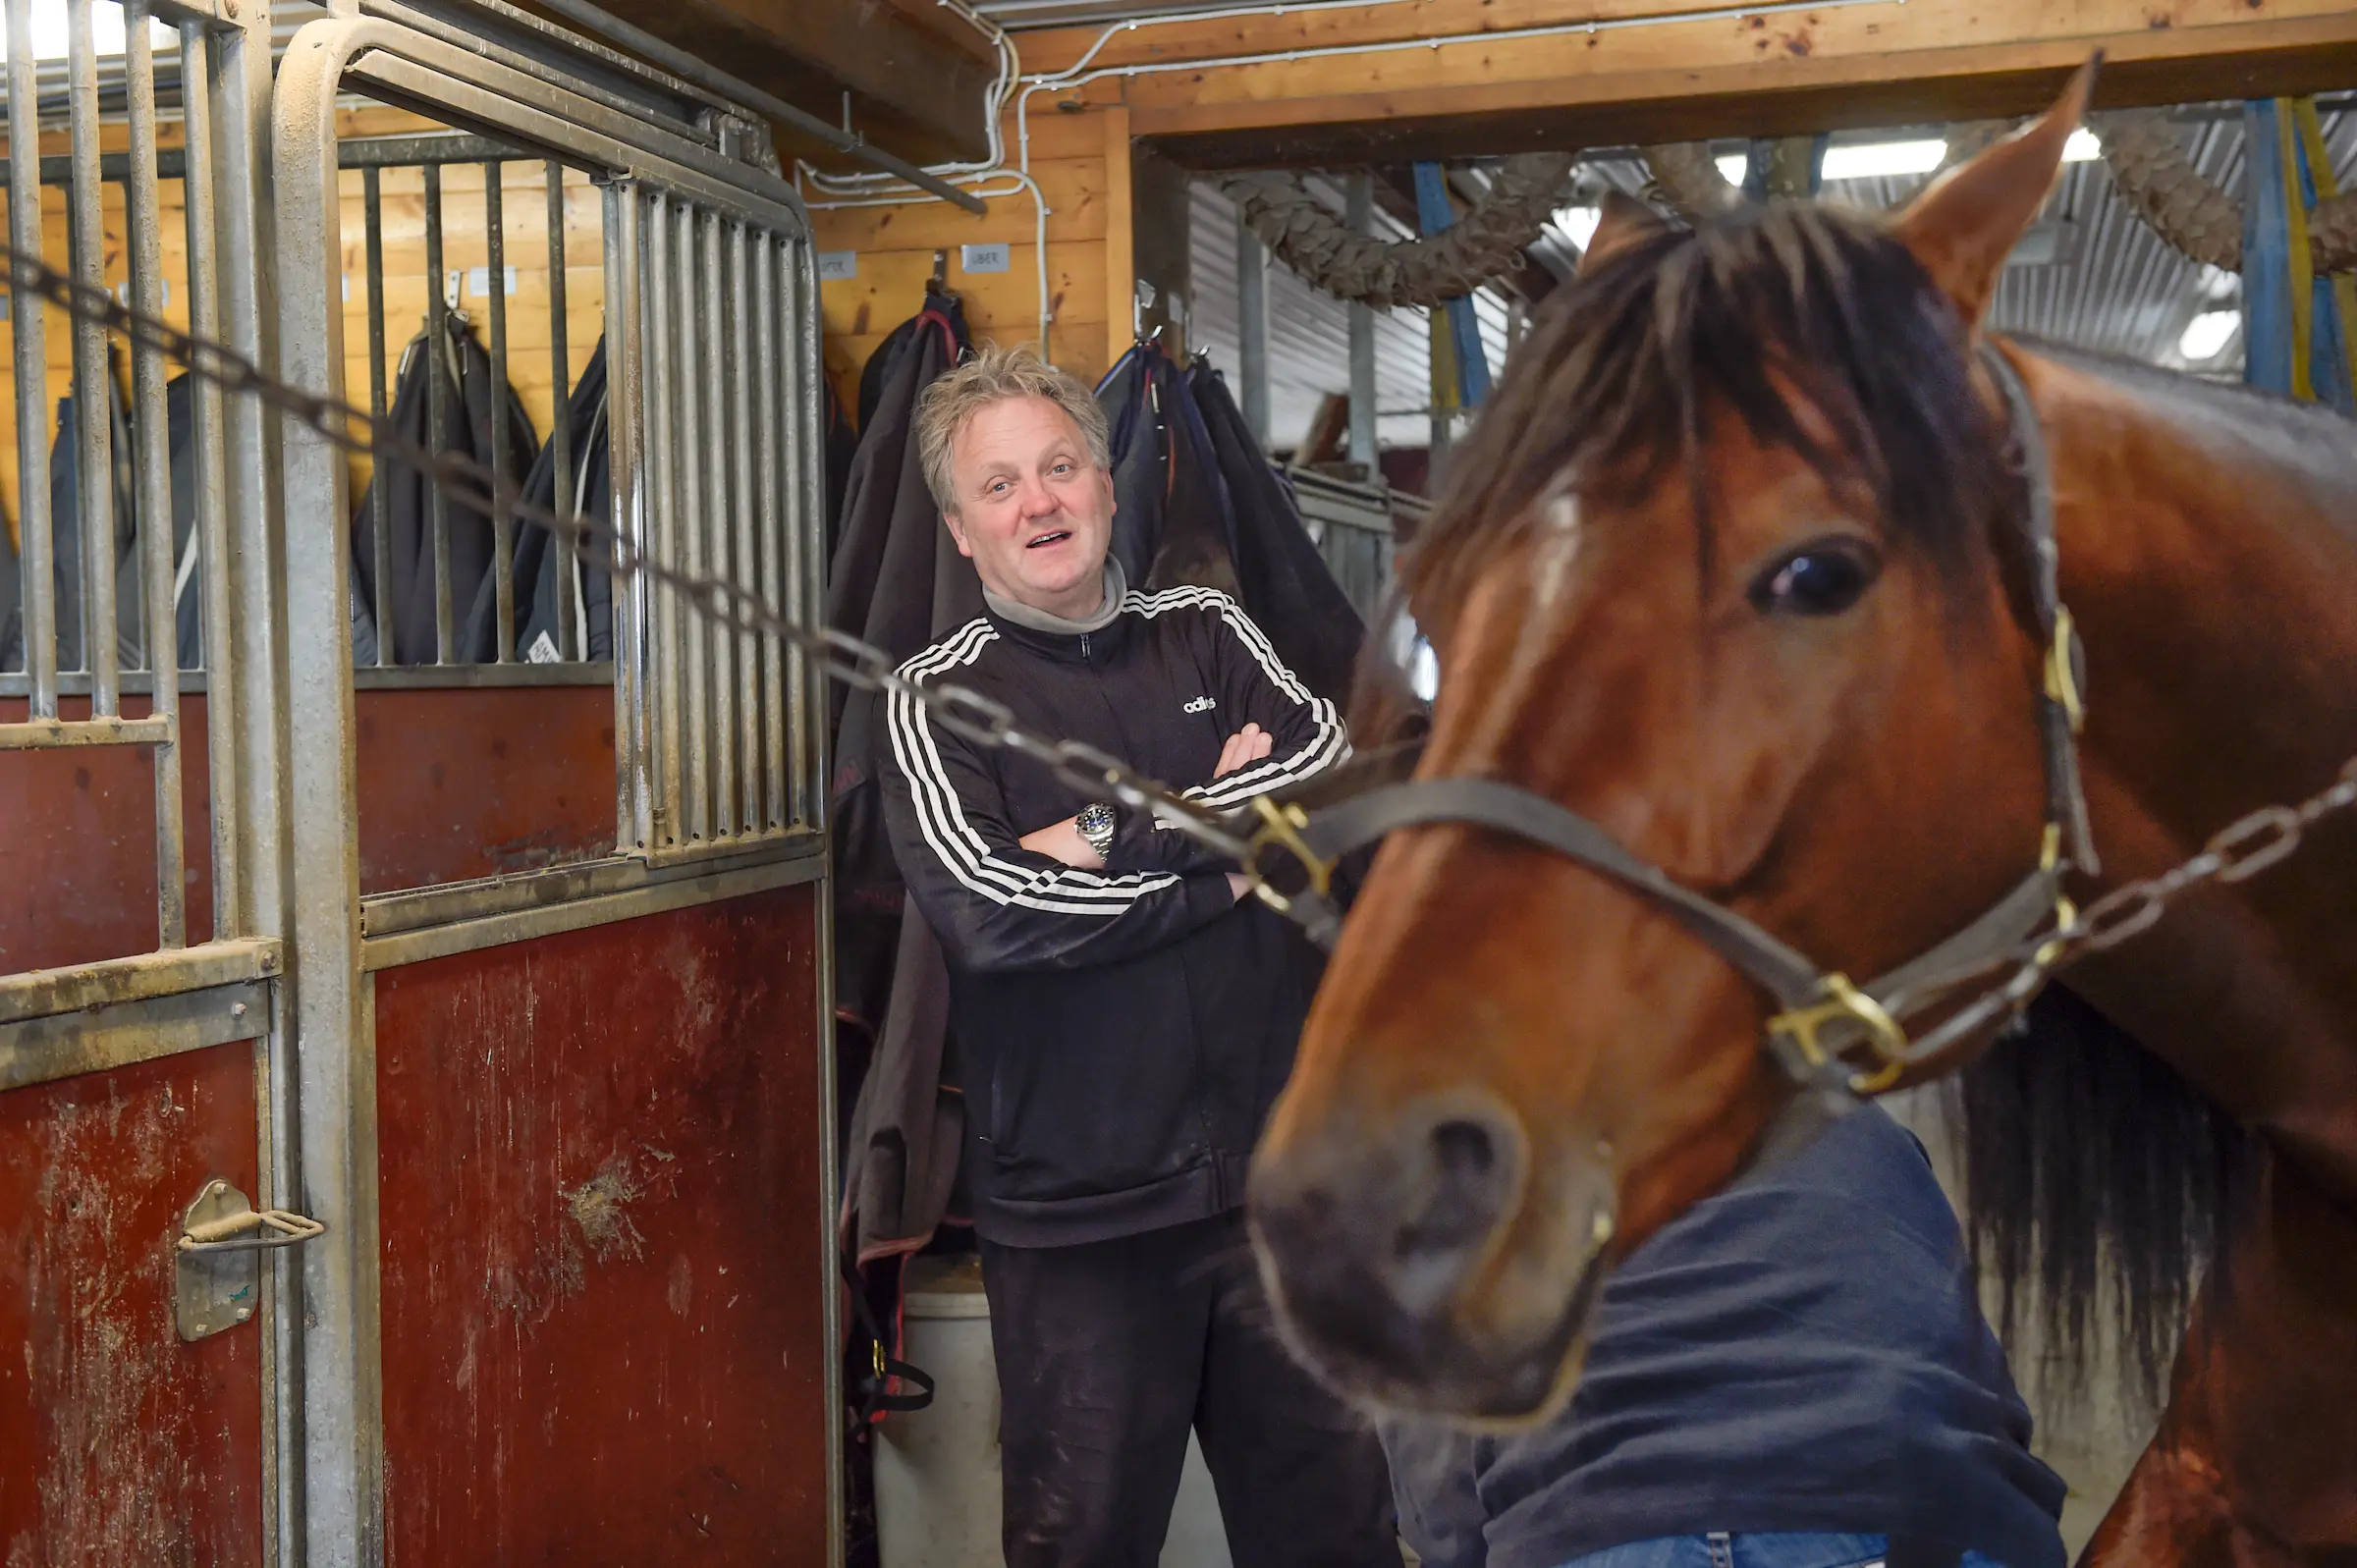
x=1801, y=1352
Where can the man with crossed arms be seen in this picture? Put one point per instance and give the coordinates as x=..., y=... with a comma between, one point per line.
x=1124, y=1015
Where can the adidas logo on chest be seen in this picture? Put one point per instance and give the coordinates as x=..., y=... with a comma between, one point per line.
x=1202, y=705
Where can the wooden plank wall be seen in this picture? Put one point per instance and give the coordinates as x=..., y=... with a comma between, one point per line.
x=466, y=245
x=1081, y=163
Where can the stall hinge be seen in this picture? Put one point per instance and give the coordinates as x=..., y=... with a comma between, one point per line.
x=217, y=1268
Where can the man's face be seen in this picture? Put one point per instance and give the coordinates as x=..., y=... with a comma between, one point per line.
x=1033, y=511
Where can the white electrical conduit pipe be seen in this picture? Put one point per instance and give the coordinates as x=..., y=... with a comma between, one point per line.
x=885, y=191
x=1010, y=67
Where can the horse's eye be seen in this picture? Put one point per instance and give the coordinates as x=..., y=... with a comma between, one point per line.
x=1823, y=578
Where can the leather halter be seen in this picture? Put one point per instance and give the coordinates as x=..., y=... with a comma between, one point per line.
x=1824, y=1017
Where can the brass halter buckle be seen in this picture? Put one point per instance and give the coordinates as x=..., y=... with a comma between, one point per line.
x=1843, y=1001
x=2066, y=913
x=2061, y=671
x=1280, y=827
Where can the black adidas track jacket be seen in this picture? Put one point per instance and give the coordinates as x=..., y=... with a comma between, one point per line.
x=1121, y=1033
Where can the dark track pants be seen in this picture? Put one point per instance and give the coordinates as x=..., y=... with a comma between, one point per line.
x=1108, y=1352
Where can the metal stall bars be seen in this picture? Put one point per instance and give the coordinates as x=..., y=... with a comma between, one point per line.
x=552, y=1116
x=1358, y=528
x=723, y=757
x=455, y=641
x=138, y=1056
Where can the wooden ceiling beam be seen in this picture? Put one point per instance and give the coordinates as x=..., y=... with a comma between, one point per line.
x=916, y=86
x=1859, y=64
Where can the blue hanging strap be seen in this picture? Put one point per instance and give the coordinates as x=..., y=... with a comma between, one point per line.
x=1434, y=216
x=2267, y=313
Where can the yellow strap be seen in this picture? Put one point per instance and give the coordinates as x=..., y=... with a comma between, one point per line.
x=2320, y=170
x=2303, y=262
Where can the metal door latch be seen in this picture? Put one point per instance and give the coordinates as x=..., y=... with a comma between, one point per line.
x=216, y=1267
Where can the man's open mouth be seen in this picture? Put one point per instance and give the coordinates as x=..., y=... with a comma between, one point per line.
x=1042, y=541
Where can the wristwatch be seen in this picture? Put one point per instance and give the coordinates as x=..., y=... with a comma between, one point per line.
x=1095, y=825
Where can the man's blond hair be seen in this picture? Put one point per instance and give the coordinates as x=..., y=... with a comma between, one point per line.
x=995, y=375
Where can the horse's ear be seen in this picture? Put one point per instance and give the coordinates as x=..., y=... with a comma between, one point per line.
x=1624, y=221
x=1968, y=221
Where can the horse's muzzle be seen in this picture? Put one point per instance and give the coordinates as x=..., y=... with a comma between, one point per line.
x=1428, y=1266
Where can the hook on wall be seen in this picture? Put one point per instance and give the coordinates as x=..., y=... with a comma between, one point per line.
x=937, y=283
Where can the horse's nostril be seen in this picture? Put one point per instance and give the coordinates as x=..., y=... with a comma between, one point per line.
x=1463, y=1151
x=1432, y=1252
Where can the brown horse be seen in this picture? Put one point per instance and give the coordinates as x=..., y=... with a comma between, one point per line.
x=1734, y=571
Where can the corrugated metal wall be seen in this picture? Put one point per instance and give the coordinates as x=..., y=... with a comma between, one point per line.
x=1309, y=331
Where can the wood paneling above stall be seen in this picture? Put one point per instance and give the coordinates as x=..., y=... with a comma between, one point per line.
x=1080, y=164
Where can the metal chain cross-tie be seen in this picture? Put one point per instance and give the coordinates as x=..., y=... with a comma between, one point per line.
x=2239, y=850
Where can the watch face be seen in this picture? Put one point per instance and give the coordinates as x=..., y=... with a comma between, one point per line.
x=1094, y=820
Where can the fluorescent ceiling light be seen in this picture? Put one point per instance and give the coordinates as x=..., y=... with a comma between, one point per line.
x=2208, y=334
x=1579, y=223
x=106, y=32
x=1868, y=159
x=1861, y=161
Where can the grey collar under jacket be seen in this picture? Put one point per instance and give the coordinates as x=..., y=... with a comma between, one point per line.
x=1116, y=586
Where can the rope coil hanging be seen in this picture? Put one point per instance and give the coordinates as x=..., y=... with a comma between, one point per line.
x=1485, y=243
x=2195, y=215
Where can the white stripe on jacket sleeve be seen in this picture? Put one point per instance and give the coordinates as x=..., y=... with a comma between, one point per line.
x=941, y=813
x=1328, y=744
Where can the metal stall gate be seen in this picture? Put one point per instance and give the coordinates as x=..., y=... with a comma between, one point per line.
x=1358, y=530
x=140, y=951
x=514, y=992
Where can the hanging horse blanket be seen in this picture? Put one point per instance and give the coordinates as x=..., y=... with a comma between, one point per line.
x=466, y=402
x=1286, y=586
x=898, y=582
x=544, y=568
x=65, y=533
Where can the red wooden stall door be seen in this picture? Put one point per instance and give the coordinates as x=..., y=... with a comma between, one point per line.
x=119, y=1443
x=78, y=853
x=599, y=1200
x=483, y=781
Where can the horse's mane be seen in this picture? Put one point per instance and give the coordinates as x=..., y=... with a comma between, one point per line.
x=2100, y=1188
x=2099, y=1185
x=1625, y=367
